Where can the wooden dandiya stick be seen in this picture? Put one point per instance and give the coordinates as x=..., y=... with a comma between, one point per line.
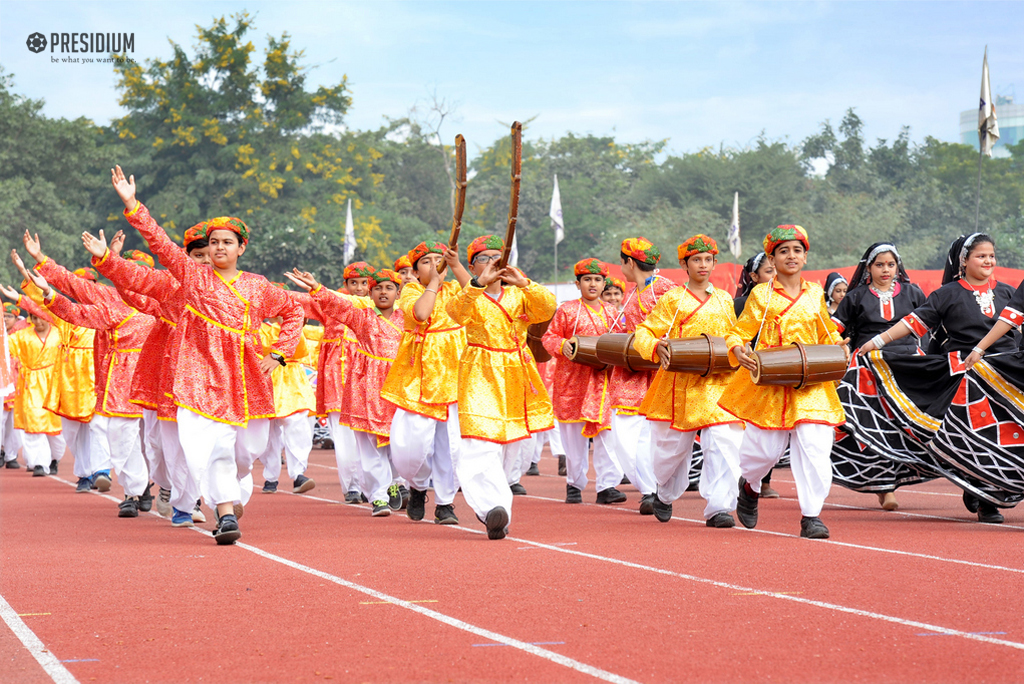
x=460, y=195
x=513, y=205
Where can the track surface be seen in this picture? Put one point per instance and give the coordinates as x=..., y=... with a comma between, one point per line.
x=319, y=590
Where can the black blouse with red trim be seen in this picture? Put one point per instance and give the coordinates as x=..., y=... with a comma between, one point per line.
x=954, y=308
x=862, y=315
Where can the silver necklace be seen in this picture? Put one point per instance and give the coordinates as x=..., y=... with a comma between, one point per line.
x=986, y=299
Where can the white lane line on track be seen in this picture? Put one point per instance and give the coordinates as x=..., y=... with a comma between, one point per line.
x=49, y=662
x=500, y=639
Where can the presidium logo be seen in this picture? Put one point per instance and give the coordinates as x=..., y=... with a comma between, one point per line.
x=102, y=43
x=36, y=42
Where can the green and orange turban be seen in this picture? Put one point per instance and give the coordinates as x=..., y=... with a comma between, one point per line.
x=196, y=232
x=641, y=249
x=283, y=286
x=86, y=274
x=423, y=249
x=384, y=275
x=403, y=262
x=10, y=308
x=698, y=244
x=590, y=267
x=612, y=281
x=235, y=225
x=785, y=233
x=359, y=269
x=482, y=243
x=141, y=258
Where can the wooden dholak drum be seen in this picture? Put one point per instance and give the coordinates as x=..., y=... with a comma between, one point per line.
x=534, y=333
x=704, y=355
x=799, y=365
x=616, y=349
x=584, y=351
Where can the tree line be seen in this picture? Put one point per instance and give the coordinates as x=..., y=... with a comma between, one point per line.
x=222, y=130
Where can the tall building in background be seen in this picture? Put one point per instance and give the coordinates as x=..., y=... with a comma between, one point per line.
x=1011, y=125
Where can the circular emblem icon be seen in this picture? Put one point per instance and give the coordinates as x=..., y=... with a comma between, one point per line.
x=36, y=42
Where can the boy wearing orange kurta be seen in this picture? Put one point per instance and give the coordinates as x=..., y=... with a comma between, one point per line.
x=423, y=384
x=582, y=395
x=784, y=310
x=501, y=396
x=38, y=350
x=679, y=405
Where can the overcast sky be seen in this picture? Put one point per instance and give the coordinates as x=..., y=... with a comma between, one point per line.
x=696, y=74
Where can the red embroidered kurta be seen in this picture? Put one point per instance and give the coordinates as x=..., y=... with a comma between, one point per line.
x=378, y=339
x=127, y=330
x=629, y=388
x=581, y=392
x=218, y=373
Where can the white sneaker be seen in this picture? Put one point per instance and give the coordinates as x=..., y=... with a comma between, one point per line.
x=163, y=503
x=197, y=514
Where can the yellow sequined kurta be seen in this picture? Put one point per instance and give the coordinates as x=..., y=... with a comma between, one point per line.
x=424, y=377
x=686, y=400
x=804, y=319
x=292, y=391
x=312, y=334
x=501, y=396
x=37, y=357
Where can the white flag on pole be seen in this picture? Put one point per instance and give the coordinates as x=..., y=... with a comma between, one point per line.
x=350, y=235
x=556, y=213
x=513, y=252
x=734, y=227
x=988, y=127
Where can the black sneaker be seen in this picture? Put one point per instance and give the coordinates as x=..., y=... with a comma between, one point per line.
x=129, y=508
x=146, y=500
x=517, y=489
x=302, y=484
x=746, y=506
x=497, y=523
x=534, y=470
x=404, y=491
x=227, y=531
x=573, y=495
x=987, y=513
x=813, y=528
x=625, y=481
x=662, y=511
x=12, y=465
x=39, y=471
x=417, y=504
x=381, y=509
x=971, y=502
x=84, y=485
x=721, y=519
x=102, y=481
x=561, y=465
x=394, y=497
x=353, y=498
x=53, y=467
x=445, y=515
x=327, y=444
x=610, y=496
x=270, y=487
x=647, y=504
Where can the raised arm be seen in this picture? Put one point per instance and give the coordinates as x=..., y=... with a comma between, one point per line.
x=128, y=276
x=95, y=316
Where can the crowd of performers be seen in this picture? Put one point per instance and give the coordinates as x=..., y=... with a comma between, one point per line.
x=182, y=378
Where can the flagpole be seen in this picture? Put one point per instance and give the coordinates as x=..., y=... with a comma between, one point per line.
x=977, y=203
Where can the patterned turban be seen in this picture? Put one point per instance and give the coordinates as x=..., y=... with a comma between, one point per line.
x=484, y=242
x=283, y=286
x=784, y=234
x=235, y=225
x=403, y=262
x=384, y=275
x=10, y=308
x=423, y=249
x=359, y=269
x=141, y=258
x=590, y=267
x=612, y=281
x=86, y=274
x=641, y=249
x=697, y=244
x=196, y=232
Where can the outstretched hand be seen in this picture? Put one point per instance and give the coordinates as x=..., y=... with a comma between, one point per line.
x=97, y=246
x=33, y=246
x=10, y=293
x=117, y=244
x=124, y=187
x=40, y=282
x=19, y=264
x=303, y=279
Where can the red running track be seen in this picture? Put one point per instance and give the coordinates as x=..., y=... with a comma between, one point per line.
x=319, y=590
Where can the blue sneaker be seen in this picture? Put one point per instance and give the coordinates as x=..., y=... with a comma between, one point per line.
x=182, y=519
x=84, y=485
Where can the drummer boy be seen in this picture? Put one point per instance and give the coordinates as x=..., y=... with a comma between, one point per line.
x=782, y=311
x=581, y=394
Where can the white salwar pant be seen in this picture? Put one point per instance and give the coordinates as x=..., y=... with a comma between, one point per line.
x=156, y=460
x=810, y=458
x=478, y=467
x=552, y=437
x=424, y=450
x=12, y=438
x=100, y=446
x=631, y=441
x=185, y=490
x=720, y=471
x=123, y=444
x=39, y=449
x=220, y=456
x=517, y=457
x=375, y=463
x=78, y=437
x=577, y=463
x=294, y=434
x=345, y=454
